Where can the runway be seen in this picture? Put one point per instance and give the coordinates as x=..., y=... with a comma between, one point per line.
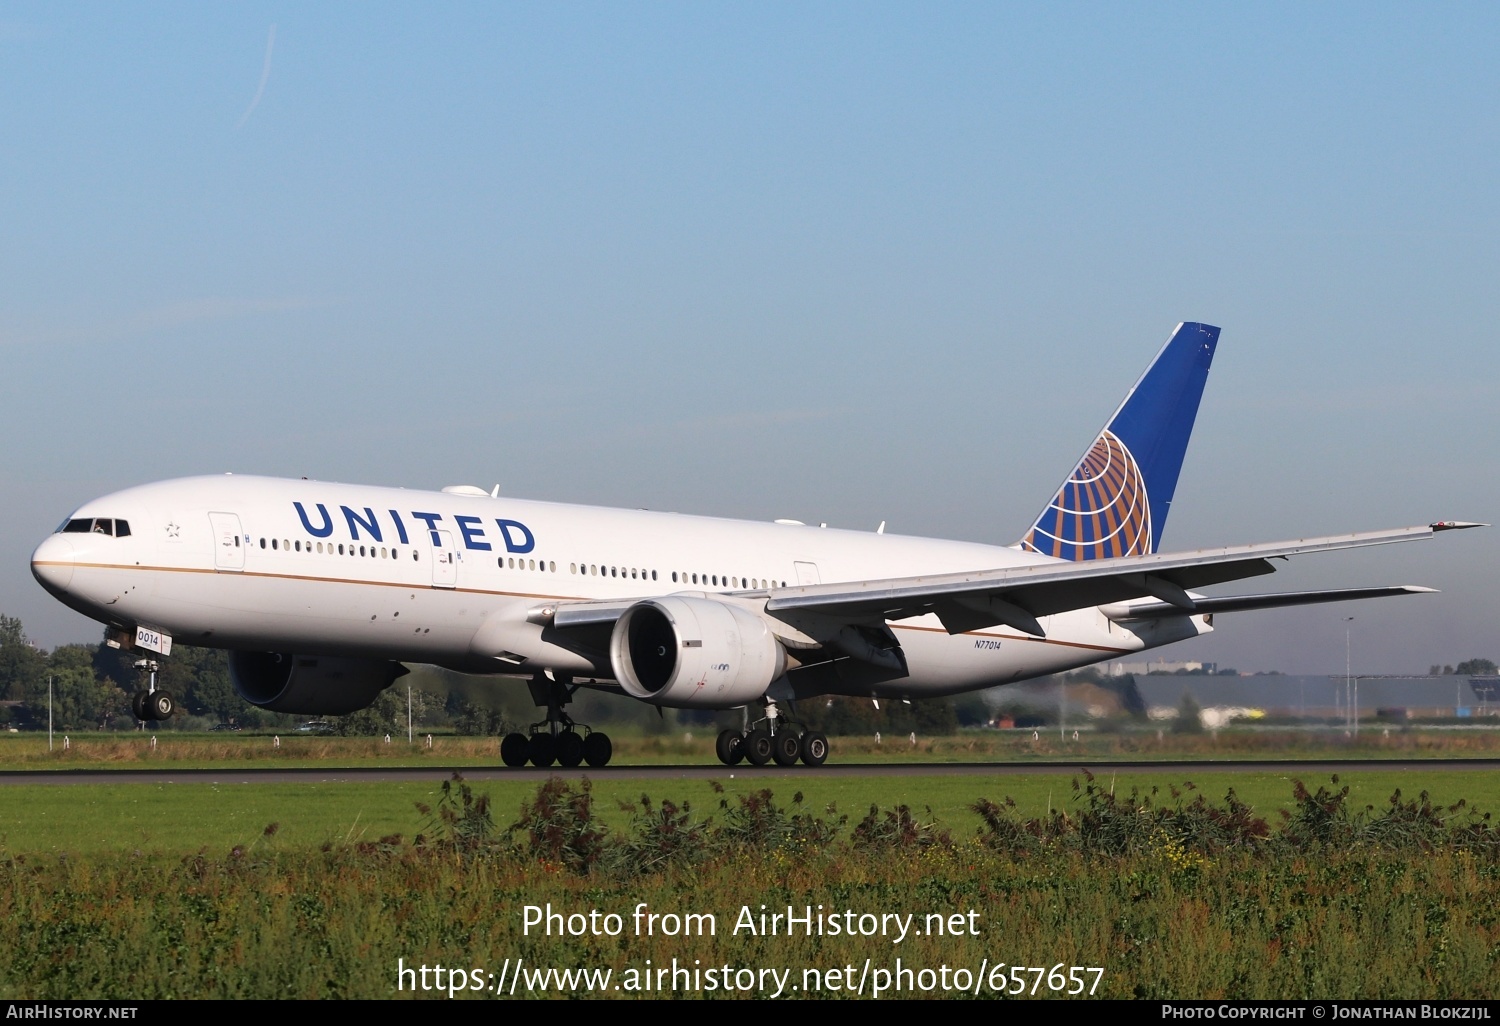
x=379, y=774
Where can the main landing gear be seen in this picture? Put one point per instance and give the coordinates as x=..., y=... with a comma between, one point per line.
x=153, y=703
x=557, y=738
x=770, y=739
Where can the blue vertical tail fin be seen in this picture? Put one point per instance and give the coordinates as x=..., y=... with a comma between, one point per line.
x=1115, y=502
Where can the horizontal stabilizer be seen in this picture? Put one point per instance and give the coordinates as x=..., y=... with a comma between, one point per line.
x=1240, y=603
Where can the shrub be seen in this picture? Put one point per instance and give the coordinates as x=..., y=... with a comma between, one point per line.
x=559, y=825
x=659, y=837
x=897, y=829
x=757, y=822
x=461, y=821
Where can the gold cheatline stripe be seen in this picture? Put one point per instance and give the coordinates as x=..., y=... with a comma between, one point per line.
x=320, y=580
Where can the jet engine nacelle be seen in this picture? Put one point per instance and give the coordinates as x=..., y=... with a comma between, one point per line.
x=315, y=685
x=694, y=653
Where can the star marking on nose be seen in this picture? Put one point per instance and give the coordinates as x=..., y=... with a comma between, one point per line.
x=173, y=530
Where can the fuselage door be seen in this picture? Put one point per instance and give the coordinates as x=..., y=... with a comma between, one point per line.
x=807, y=573
x=229, y=541
x=444, y=561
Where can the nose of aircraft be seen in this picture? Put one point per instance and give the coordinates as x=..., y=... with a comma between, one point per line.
x=52, y=563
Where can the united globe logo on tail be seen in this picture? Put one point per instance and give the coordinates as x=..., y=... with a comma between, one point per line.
x=1102, y=510
x=1115, y=503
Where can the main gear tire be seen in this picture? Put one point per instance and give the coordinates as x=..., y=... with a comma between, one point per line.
x=759, y=746
x=814, y=748
x=542, y=750
x=730, y=747
x=569, y=749
x=786, y=748
x=597, y=749
x=515, y=750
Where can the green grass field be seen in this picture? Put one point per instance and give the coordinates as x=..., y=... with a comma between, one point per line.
x=186, y=818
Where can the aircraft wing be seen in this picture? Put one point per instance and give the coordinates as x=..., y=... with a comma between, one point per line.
x=1019, y=596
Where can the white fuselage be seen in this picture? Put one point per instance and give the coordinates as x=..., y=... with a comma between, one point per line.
x=437, y=577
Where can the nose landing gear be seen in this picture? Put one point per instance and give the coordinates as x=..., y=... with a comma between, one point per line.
x=152, y=703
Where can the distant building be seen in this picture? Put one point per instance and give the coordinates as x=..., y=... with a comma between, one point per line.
x=1324, y=697
x=1223, y=699
x=1159, y=666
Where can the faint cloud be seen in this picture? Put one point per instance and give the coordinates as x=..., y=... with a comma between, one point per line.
x=160, y=318
x=265, y=75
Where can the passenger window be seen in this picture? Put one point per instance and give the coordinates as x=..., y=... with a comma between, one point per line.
x=273, y=544
x=262, y=543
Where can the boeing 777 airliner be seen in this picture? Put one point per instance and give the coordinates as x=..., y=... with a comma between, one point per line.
x=321, y=591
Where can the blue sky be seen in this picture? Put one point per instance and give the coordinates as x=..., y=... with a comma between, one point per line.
x=843, y=263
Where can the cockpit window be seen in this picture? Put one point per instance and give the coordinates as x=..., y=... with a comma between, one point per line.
x=96, y=525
